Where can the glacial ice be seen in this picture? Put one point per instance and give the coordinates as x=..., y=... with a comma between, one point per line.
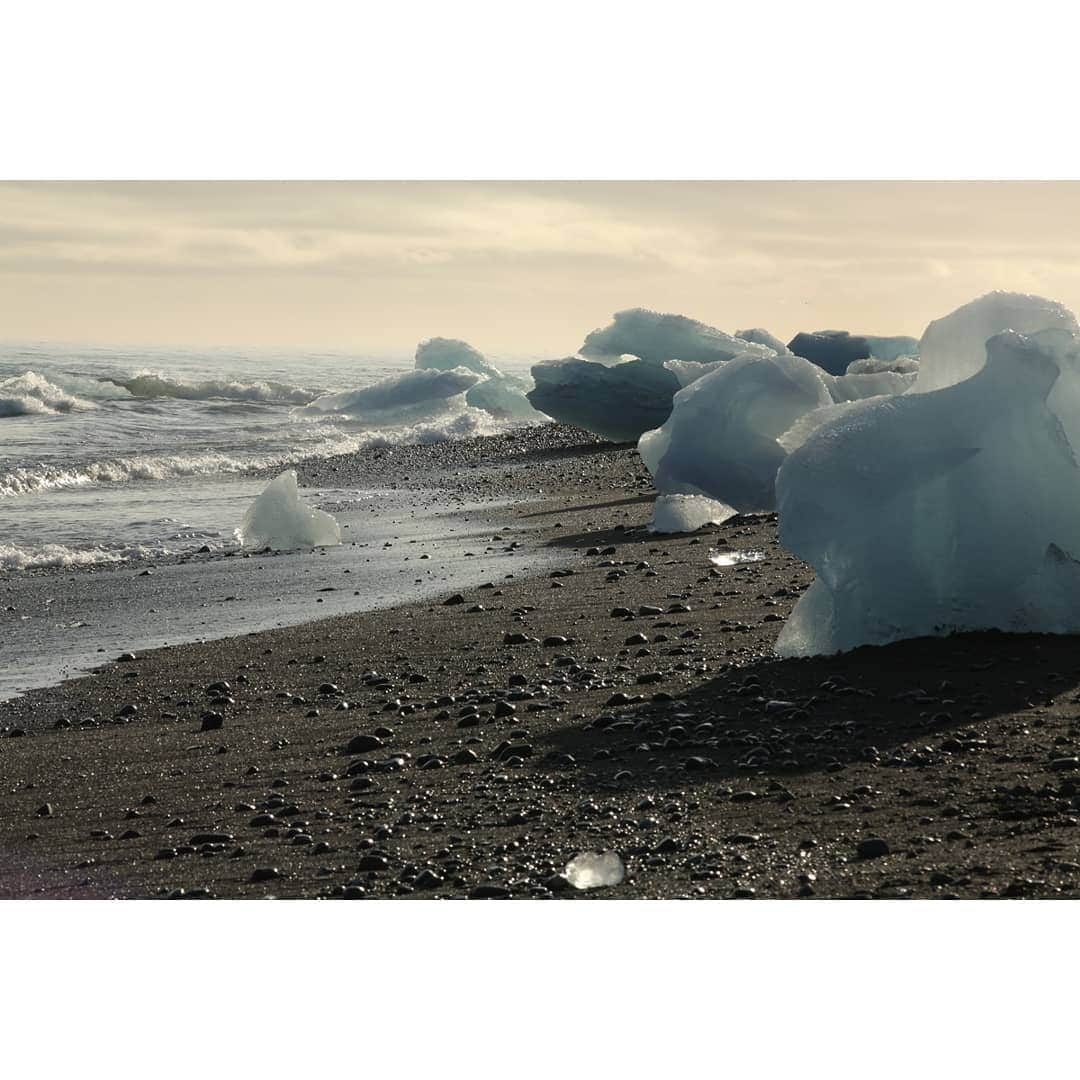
x=445, y=354
x=400, y=398
x=946, y=509
x=760, y=336
x=685, y=513
x=279, y=520
x=721, y=439
x=654, y=338
x=831, y=350
x=954, y=347
x=617, y=402
x=499, y=394
x=837, y=350
x=595, y=870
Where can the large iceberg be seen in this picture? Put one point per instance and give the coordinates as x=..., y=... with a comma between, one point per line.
x=954, y=347
x=278, y=519
x=950, y=508
x=499, y=394
x=655, y=337
x=617, y=402
x=721, y=440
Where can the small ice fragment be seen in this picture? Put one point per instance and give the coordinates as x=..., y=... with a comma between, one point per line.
x=594, y=870
x=685, y=513
x=278, y=519
x=734, y=558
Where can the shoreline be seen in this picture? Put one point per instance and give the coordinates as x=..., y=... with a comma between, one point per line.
x=473, y=748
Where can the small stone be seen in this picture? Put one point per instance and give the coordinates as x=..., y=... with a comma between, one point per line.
x=265, y=873
x=872, y=848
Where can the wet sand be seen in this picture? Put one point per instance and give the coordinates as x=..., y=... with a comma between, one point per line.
x=626, y=698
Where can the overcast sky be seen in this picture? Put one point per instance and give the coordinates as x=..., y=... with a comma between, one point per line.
x=513, y=267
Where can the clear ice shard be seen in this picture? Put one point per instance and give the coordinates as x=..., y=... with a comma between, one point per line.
x=595, y=870
x=279, y=520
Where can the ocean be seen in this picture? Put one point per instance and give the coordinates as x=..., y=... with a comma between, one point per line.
x=109, y=455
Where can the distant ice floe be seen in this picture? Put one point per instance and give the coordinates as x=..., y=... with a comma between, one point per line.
x=954, y=506
x=278, y=519
x=655, y=337
x=501, y=395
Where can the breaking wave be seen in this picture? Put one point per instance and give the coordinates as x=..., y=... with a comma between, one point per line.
x=152, y=384
x=32, y=394
x=14, y=557
x=30, y=479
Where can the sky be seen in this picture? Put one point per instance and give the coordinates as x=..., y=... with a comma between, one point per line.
x=513, y=268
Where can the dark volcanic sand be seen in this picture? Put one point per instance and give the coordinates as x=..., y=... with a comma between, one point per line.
x=677, y=739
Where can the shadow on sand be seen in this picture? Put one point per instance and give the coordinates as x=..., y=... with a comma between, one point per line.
x=907, y=703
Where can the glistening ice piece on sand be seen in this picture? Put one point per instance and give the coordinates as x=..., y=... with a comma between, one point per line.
x=595, y=870
x=685, y=513
x=278, y=519
x=957, y=509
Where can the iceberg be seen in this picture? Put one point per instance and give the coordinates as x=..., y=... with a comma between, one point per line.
x=831, y=350
x=947, y=509
x=954, y=347
x=654, y=338
x=445, y=354
x=722, y=438
x=501, y=395
x=838, y=350
x=279, y=520
x=400, y=397
x=618, y=402
x=762, y=337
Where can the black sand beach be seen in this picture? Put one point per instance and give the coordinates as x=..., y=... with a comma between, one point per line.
x=625, y=698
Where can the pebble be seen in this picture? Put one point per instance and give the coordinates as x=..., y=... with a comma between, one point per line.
x=873, y=847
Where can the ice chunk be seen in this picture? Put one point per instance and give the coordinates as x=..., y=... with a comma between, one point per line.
x=499, y=394
x=688, y=371
x=763, y=337
x=654, y=338
x=735, y=558
x=400, y=397
x=445, y=354
x=721, y=439
x=617, y=402
x=594, y=870
x=278, y=519
x=955, y=509
x=890, y=349
x=902, y=365
x=832, y=350
x=866, y=384
x=954, y=347
x=685, y=513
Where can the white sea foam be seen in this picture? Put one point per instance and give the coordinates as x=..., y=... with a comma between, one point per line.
x=153, y=384
x=28, y=479
x=25, y=557
x=30, y=393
